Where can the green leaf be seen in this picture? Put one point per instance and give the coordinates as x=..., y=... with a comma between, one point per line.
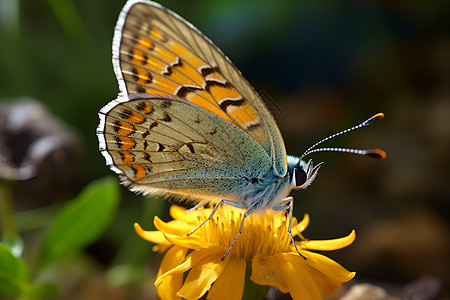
x=13, y=273
x=81, y=221
x=14, y=243
x=34, y=292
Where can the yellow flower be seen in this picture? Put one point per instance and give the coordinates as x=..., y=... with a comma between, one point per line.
x=264, y=246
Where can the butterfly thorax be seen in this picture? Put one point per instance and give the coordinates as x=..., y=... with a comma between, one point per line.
x=266, y=192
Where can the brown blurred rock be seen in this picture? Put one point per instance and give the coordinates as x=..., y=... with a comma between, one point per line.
x=37, y=152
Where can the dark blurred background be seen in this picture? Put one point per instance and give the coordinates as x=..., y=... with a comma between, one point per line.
x=323, y=66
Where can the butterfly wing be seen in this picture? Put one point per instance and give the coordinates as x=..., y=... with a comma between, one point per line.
x=161, y=145
x=156, y=52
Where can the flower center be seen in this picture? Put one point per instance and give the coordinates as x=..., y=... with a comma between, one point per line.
x=264, y=233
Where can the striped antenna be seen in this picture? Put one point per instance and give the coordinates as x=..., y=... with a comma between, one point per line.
x=375, y=153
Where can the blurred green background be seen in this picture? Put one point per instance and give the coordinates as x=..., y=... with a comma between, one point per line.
x=322, y=66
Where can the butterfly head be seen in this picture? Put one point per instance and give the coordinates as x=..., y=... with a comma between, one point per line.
x=303, y=174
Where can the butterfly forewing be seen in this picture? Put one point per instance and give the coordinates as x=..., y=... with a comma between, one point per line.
x=157, y=53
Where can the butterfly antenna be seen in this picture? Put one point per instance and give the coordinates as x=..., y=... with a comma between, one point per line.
x=375, y=153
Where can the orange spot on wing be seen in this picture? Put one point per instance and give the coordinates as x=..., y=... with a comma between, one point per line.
x=144, y=43
x=243, y=114
x=156, y=33
x=146, y=108
x=153, y=91
x=221, y=92
x=163, y=84
x=185, y=54
x=215, y=76
x=127, y=157
x=135, y=118
x=196, y=99
x=139, y=171
x=125, y=142
x=186, y=74
x=137, y=56
x=165, y=55
x=125, y=128
x=143, y=76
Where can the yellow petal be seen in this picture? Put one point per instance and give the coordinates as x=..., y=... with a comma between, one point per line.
x=168, y=289
x=328, y=245
x=192, y=260
x=191, y=242
x=161, y=248
x=326, y=266
x=177, y=212
x=191, y=217
x=202, y=276
x=300, y=227
x=266, y=271
x=175, y=227
x=299, y=280
x=326, y=284
x=151, y=236
x=230, y=285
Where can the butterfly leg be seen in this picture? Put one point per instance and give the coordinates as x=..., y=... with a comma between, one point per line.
x=246, y=214
x=223, y=201
x=289, y=208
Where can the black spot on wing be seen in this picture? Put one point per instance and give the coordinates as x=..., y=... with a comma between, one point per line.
x=213, y=132
x=135, y=74
x=253, y=126
x=135, y=39
x=184, y=90
x=143, y=107
x=147, y=157
x=145, y=59
x=166, y=104
x=130, y=54
x=125, y=114
x=161, y=147
x=178, y=63
x=149, y=78
x=252, y=180
x=166, y=118
x=167, y=71
x=116, y=126
x=213, y=82
x=145, y=134
x=191, y=148
x=231, y=102
x=206, y=70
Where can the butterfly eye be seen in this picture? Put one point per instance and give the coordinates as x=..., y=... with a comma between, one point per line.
x=300, y=176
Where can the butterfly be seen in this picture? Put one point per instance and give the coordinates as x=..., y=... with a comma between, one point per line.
x=187, y=124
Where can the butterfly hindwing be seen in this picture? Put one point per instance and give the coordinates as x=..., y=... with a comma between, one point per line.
x=170, y=145
x=157, y=53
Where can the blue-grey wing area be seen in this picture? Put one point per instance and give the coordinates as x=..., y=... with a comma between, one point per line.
x=165, y=145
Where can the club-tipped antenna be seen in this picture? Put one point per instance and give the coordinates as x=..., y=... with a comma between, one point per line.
x=375, y=153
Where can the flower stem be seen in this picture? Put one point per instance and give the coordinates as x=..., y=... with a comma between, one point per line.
x=252, y=291
x=6, y=212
